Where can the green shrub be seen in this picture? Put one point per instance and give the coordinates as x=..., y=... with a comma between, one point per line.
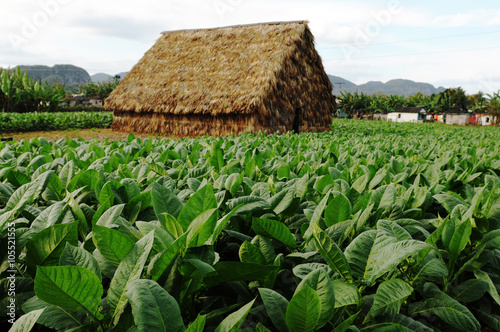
x=45, y=121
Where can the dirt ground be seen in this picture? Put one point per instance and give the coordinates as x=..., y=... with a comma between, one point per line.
x=87, y=134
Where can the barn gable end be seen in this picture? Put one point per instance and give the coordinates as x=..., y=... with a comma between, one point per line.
x=220, y=81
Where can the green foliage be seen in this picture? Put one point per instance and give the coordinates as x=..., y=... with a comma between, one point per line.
x=25, y=122
x=101, y=90
x=453, y=100
x=371, y=227
x=19, y=93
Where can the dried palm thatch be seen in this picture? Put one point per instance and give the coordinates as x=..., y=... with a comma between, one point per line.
x=227, y=80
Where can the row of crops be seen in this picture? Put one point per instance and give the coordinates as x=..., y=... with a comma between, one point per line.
x=46, y=121
x=370, y=227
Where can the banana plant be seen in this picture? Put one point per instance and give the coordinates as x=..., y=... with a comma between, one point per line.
x=22, y=94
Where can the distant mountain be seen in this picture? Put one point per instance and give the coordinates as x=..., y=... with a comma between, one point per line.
x=340, y=84
x=68, y=75
x=396, y=86
x=73, y=76
x=100, y=77
x=122, y=74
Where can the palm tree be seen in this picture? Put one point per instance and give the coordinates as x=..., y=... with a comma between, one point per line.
x=493, y=106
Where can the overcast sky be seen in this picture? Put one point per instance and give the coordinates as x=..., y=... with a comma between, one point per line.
x=445, y=43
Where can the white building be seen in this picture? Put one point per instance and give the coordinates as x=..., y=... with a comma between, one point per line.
x=485, y=119
x=95, y=102
x=457, y=119
x=407, y=114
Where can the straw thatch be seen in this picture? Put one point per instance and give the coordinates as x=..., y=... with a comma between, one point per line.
x=227, y=80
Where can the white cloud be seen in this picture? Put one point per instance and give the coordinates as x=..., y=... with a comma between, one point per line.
x=111, y=36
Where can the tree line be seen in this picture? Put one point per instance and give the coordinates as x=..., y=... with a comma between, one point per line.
x=19, y=93
x=453, y=100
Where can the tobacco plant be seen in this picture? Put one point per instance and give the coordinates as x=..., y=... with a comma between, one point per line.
x=369, y=227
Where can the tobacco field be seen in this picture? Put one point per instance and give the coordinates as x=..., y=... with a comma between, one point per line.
x=370, y=227
x=46, y=121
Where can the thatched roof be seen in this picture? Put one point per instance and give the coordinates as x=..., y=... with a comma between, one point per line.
x=220, y=70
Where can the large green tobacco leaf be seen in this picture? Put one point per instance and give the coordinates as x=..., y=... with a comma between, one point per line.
x=389, y=297
x=361, y=182
x=54, y=190
x=302, y=270
x=447, y=201
x=45, y=247
x=304, y=310
x=248, y=204
x=377, y=179
x=106, y=195
x=66, y=174
x=492, y=288
x=130, y=269
x=374, y=253
x=163, y=260
x=203, y=200
x=399, y=323
x=233, y=322
x=78, y=213
x=431, y=267
x=330, y=252
x=233, y=183
x=26, y=322
x=358, y=252
x=55, y=317
x=22, y=197
x=249, y=253
x=109, y=217
x=281, y=201
x=52, y=215
x=202, y=228
x=273, y=229
x=320, y=281
x=171, y=225
x=346, y=293
x=112, y=244
x=165, y=201
x=455, y=238
x=338, y=209
x=76, y=256
x=318, y=212
x=363, y=217
x=393, y=229
x=163, y=239
x=106, y=198
x=387, y=258
x=69, y=287
x=384, y=196
x=470, y=290
x=283, y=172
x=448, y=309
x=265, y=245
x=276, y=306
x=153, y=308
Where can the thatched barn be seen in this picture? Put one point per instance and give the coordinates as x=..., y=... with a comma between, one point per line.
x=219, y=81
